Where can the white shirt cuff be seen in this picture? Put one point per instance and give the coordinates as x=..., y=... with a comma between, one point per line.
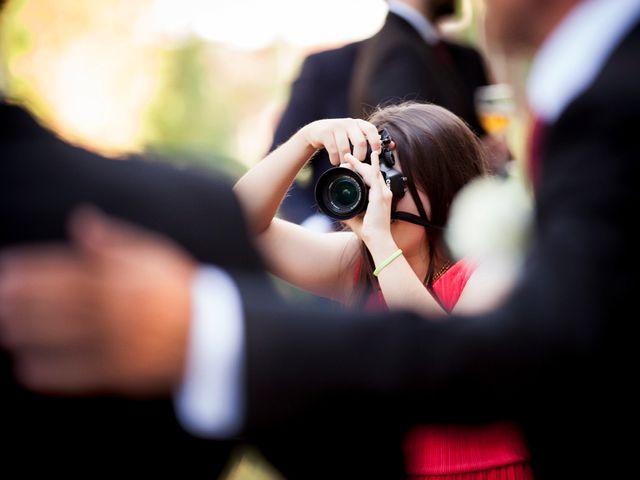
x=210, y=401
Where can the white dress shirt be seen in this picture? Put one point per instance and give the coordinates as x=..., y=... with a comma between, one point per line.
x=416, y=19
x=210, y=401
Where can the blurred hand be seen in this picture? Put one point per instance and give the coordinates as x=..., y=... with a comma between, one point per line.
x=497, y=152
x=335, y=134
x=375, y=224
x=109, y=314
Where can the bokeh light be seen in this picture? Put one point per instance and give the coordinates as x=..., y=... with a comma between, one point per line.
x=193, y=81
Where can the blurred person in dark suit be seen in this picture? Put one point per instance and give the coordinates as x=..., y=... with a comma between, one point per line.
x=406, y=60
x=41, y=179
x=556, y=356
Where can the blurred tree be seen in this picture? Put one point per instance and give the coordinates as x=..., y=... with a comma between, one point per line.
x=189, y=120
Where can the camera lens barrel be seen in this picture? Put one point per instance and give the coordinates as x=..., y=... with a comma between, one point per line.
x=341, y=193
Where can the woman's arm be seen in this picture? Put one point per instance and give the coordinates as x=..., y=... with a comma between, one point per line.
x=317, y=262
x=401, y=287
x=263, y=187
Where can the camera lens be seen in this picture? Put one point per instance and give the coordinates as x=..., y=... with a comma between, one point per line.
x=344, y=193
x=341, y=193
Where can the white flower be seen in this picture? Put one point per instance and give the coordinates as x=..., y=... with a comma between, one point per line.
x=490, y=221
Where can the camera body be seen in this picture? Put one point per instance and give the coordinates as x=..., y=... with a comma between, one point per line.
x=342, y=193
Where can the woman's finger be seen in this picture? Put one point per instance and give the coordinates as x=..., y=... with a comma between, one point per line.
x=346, y=165
x=358, y=140
x=378, y=186
x=363, y=169
x=377, y=182
x=371, y=132
x=332, y=149
x=375, y=161
x=342, y=143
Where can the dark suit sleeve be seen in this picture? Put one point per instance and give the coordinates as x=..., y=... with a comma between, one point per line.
x=480, y=71
x=41, y=180
x=473, y=73
x=302, y=106
x=301, y=109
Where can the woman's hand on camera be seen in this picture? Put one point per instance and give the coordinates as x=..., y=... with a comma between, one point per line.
x=337, y=136
x=375, y=224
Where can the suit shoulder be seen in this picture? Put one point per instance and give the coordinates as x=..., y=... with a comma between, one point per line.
x=330, y=70
x=614, y=93
x=334, y=57
x=134, y=176
x=465, y=49
x=159, y=176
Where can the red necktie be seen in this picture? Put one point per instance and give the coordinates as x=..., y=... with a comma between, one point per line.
x=535, y=150
x=443, y=53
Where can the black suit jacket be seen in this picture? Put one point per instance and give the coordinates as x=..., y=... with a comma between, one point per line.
x=394, y=65
x=41, y=179
x=557, y=356
x=397, y=64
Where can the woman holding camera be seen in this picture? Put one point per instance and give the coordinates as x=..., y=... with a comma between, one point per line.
x=393, y=255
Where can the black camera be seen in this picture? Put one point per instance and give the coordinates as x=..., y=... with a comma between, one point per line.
x=342, y=194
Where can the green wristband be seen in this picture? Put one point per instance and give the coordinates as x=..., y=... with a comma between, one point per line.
x=386, y=262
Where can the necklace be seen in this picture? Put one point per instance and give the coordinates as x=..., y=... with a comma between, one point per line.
x=445, y=266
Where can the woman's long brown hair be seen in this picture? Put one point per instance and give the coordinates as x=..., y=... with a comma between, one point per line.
x=439, y=155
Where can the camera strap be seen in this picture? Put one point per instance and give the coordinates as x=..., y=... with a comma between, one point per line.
x=415, y=219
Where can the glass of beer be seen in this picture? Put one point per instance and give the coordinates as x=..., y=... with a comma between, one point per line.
x=495, y=107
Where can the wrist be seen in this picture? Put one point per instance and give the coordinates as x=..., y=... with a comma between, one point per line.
x=303, y=143
x=381, y=265
x=381, y=249
x=377, y=238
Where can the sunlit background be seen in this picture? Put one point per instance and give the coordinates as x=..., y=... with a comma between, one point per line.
x=192, y=81
x=198, y=82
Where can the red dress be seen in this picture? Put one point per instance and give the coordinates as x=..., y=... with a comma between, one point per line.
x=495, y=451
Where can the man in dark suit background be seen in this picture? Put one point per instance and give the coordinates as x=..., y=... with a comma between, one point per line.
x=408, y=60
x=405, y=60
x=556, y=356
x=42, y=179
